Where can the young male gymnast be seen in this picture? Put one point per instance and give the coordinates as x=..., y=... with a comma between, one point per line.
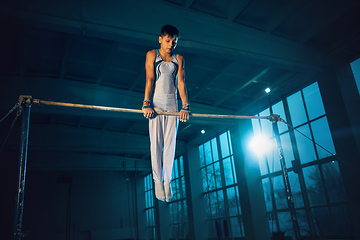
x=165, y=74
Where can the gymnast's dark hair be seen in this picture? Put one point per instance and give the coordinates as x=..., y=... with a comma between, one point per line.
x=170, y=30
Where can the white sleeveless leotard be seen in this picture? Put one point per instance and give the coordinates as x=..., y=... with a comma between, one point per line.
x=166, y=73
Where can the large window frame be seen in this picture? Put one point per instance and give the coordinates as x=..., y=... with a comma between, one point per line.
x=317, y=207
x=149, y=206
x=220, y=189
x=178, y=204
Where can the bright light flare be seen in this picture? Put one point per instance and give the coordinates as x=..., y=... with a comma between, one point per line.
x=203, y=131
x=260, y=144
x=267, y=90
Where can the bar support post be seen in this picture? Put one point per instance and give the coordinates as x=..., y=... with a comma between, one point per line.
x=289, y=197
x=25, y=105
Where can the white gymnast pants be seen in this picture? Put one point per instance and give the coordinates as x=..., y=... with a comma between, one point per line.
x=162, y=131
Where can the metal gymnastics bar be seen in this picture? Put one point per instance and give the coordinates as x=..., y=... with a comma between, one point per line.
x=25, y=103
x=127, y=110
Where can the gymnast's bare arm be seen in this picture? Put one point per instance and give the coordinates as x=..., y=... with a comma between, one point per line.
x=149, y=86
x=184, y=115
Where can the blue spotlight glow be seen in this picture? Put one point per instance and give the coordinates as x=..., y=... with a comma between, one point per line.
x=260, y=144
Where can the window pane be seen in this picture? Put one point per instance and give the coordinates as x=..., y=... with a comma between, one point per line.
x=202, y=157
x=279, y=192
x=322, y=221
x=204, y=180
x=228, y=171
x=267, y=194
x=262, y=164
x=342, y=220
x=333, y=182
x=303, y=223
x=208, y=205
x=285, y=223
x=175, y=169
x=174, y=189
x=172, y=217
x=233, y=168
x=256, y=126
x=211, y=228
x=232, y=202
x=224, y=145
x=152, y=197
x=185, y=211
x=181, y=166
x=175, y=230
x=152, y=217
x=211, y=177
x=177, y=189
x=147, y=218
x=237, y=226
x=296, y=190
x=313, y=101
x=322, y=136
x=229, y=140
x=145, y=183
x=215, y=149
x=287, y=149
x=296, y=109
x=214, y=205
x=305, y=146
x=238, y=199
x=355, y=67
x=278, y=108
x=273, y=157
x=183, y=187
x=146, y=199
x=221, y=203
x=266, y=126
x=217, y=175
x=179, y=212
x=314, y=186
x=272, y=223
x=207, y=148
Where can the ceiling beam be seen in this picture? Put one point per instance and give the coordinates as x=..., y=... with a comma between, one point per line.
x=107, y=62
x=140, y=77
x=80, y=122
x=246, y=42
x=279, y=90
x=237, y=9
x=65, y=161
x=107, y=123
x=60, y=138
x=129, y=128
x=327, y=19
x=188, y=3
x=214, y=77
x=285, y=14
x=239, y=87
x=353, y=42
x=65, y=56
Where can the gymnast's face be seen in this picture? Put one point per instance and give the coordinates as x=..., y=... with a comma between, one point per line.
x=168, y=43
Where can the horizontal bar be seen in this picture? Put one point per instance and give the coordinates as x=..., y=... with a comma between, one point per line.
x=127, y=110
